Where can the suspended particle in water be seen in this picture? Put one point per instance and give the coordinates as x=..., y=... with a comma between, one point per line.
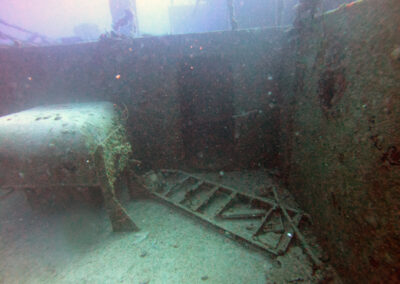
x=396, y=54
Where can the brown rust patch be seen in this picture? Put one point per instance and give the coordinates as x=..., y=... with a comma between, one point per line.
x=331, y=87
x=392, y=156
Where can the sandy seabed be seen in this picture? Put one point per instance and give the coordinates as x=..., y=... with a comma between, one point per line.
x=76, y=245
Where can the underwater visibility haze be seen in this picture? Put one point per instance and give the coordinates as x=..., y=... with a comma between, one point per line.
x=199, y=141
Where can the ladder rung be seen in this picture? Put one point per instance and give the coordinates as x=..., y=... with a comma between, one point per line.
x=244, y=215
x=226, y=203
x=288, y=235
x=179, y=183
x=264, y=220
x=278, y=228
x=210, y=194
x=191, y=189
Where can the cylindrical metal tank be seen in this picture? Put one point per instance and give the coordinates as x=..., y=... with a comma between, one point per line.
x=82, y=144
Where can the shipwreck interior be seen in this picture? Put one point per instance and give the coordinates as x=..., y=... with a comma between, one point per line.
x=291, y=131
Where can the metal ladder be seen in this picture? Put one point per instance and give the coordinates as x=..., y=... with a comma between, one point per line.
x=257, y=220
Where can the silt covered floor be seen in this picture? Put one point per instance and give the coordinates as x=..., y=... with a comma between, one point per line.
x=76, y=245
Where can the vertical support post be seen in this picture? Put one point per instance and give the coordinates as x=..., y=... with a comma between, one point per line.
x=279, y=12
x=135, y=18
x=231, y=10
x=120, y=220
x=124, y=17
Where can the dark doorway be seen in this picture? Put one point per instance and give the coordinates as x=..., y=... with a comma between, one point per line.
x=206, y=91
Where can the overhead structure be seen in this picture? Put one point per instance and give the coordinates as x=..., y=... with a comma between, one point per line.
x=31, y=37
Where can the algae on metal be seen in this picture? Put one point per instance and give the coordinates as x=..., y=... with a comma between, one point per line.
x=116, y=148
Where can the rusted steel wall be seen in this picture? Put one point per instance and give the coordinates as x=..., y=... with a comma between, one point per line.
x=340, y=139
x=143, y=75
